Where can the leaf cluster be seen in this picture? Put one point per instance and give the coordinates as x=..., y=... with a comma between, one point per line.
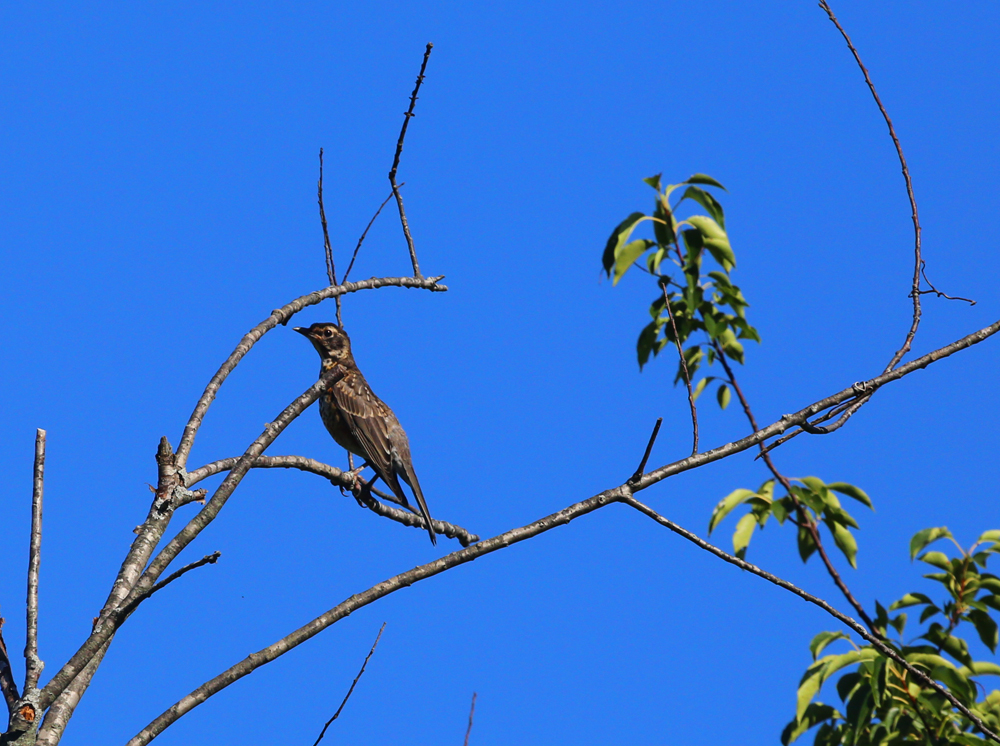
x=699, y=299
x=883, y=704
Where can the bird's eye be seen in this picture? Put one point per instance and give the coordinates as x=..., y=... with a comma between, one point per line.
x=327, y=333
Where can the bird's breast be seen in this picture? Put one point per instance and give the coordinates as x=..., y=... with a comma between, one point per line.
x=337, y=426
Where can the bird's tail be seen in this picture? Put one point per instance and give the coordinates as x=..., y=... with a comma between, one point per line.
x=410, y=477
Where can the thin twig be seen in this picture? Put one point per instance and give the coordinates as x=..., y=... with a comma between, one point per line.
x=365, y=233
x=684, y=367
x=7, y=684
x=32, y=663
x=282, y=316
x=803, y=519
x=923, y=271
x=472, y=712
x=127, y=609
x=331, y=270
x=637, y=475
x=353, y=684
x=917, y=259
x=523, y=533
x=874, y=641
x=395, y=163
x=340, y=478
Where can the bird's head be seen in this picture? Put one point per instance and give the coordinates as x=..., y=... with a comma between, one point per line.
x=330, y=341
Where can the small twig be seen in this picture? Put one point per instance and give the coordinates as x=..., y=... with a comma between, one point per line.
x=353, y=684
x=367, y=228
x=331, y=270
x=804, y=520
x=645, y=456
x=126, y=611
x=917, y=259
x=874, y=641
x=7, y=685
x=684, y=367
x=937, y=292
x=395, y=163
x=472, y=712
x=32, y=664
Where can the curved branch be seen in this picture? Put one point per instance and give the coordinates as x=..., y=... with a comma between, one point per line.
x=341, y=479
x=622, y=493
x=281, y=316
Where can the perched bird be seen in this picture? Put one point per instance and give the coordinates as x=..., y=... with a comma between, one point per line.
x=361, y=422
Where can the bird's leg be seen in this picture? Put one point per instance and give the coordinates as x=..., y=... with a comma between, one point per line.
x=354, y=474
x=364, y=496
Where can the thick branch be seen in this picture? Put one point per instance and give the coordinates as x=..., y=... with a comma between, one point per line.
x=395, y=163
x=32, y=663
x=7, y=685
x=514, y=536
x=340, y=479
x=843, y=618
x=282, y=316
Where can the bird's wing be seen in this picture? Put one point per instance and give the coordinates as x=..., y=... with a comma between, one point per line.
x=368, y=419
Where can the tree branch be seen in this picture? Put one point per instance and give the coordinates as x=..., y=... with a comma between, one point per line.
x=472, y=712
x=32, y=663
x=340, y=479
x=331, y=269
x=353, y=684
x=917, y=260
x=803, y=518
x=843, y=618
x=395, y=163
x=7, y=684
x=282, y=316
x=684, y=367
x=365, y=233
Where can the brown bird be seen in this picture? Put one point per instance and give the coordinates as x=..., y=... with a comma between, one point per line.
x=361, y=422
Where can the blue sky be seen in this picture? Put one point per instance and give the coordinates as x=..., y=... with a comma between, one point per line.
x=158, y=166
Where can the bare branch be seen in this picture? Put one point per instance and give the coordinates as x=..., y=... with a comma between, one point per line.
x=126, y=611
x=108, y=624
x=365, y=233
x=395, y=163
x=472, y=712
x=517, y=535
x=803, y=518
x=843, y=618
x=340, y=479
x=917, y=259
x=32, y=663
x=58, y=715
x=637, y=475
x=331, y=270
x=353, y=684
x=7, y=684
x=282, y=316
x=684, y=367
x=923, y=271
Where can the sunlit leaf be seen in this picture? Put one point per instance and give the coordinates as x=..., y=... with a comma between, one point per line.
x=910, y=599
x=707, y=201
x=723, y=396
x=743, y=534
x=937, y=559
x=922, y=538
x=726, y=505
x=986, y=627
x=654, y=181
x=619, y=237
x=626, y=255
x=851, y=491
x=820, y=641
x=705, y=179
x=845, y=541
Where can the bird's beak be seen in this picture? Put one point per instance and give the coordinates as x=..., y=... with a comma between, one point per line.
x=301, y=330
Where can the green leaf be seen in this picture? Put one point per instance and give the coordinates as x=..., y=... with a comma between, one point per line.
x=937, y=559
x=723, y=396
x=626, y=255
x=705, y=179
x=851, y=491
x=820, y=641
x=815, y=713
x=922, y=538
x=707, y=201
x=845, y=541
x=991, y=535
x=663, y=224
x=647, y=342
x=743, y=534
x=727, y=340
x=986, y=627
x=726, y=505
x=928, y=612
x=981, y=668
x=989, y=582
x=619, y=237
x=654, y=181
x=700, y=386
x=806, y=544
x=910, y=599
x=781, y=508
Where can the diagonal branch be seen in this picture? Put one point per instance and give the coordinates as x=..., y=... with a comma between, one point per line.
x=282, y=316
x=32, y=663
x=684, y=367
x=802, y=517
x=365, y=233
x=340, y=479
x=875, y=642
x=523, y=533
x=331, y=269
x=7, y=685
x=472, y=713
x=353, y=684
x=395, y=163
